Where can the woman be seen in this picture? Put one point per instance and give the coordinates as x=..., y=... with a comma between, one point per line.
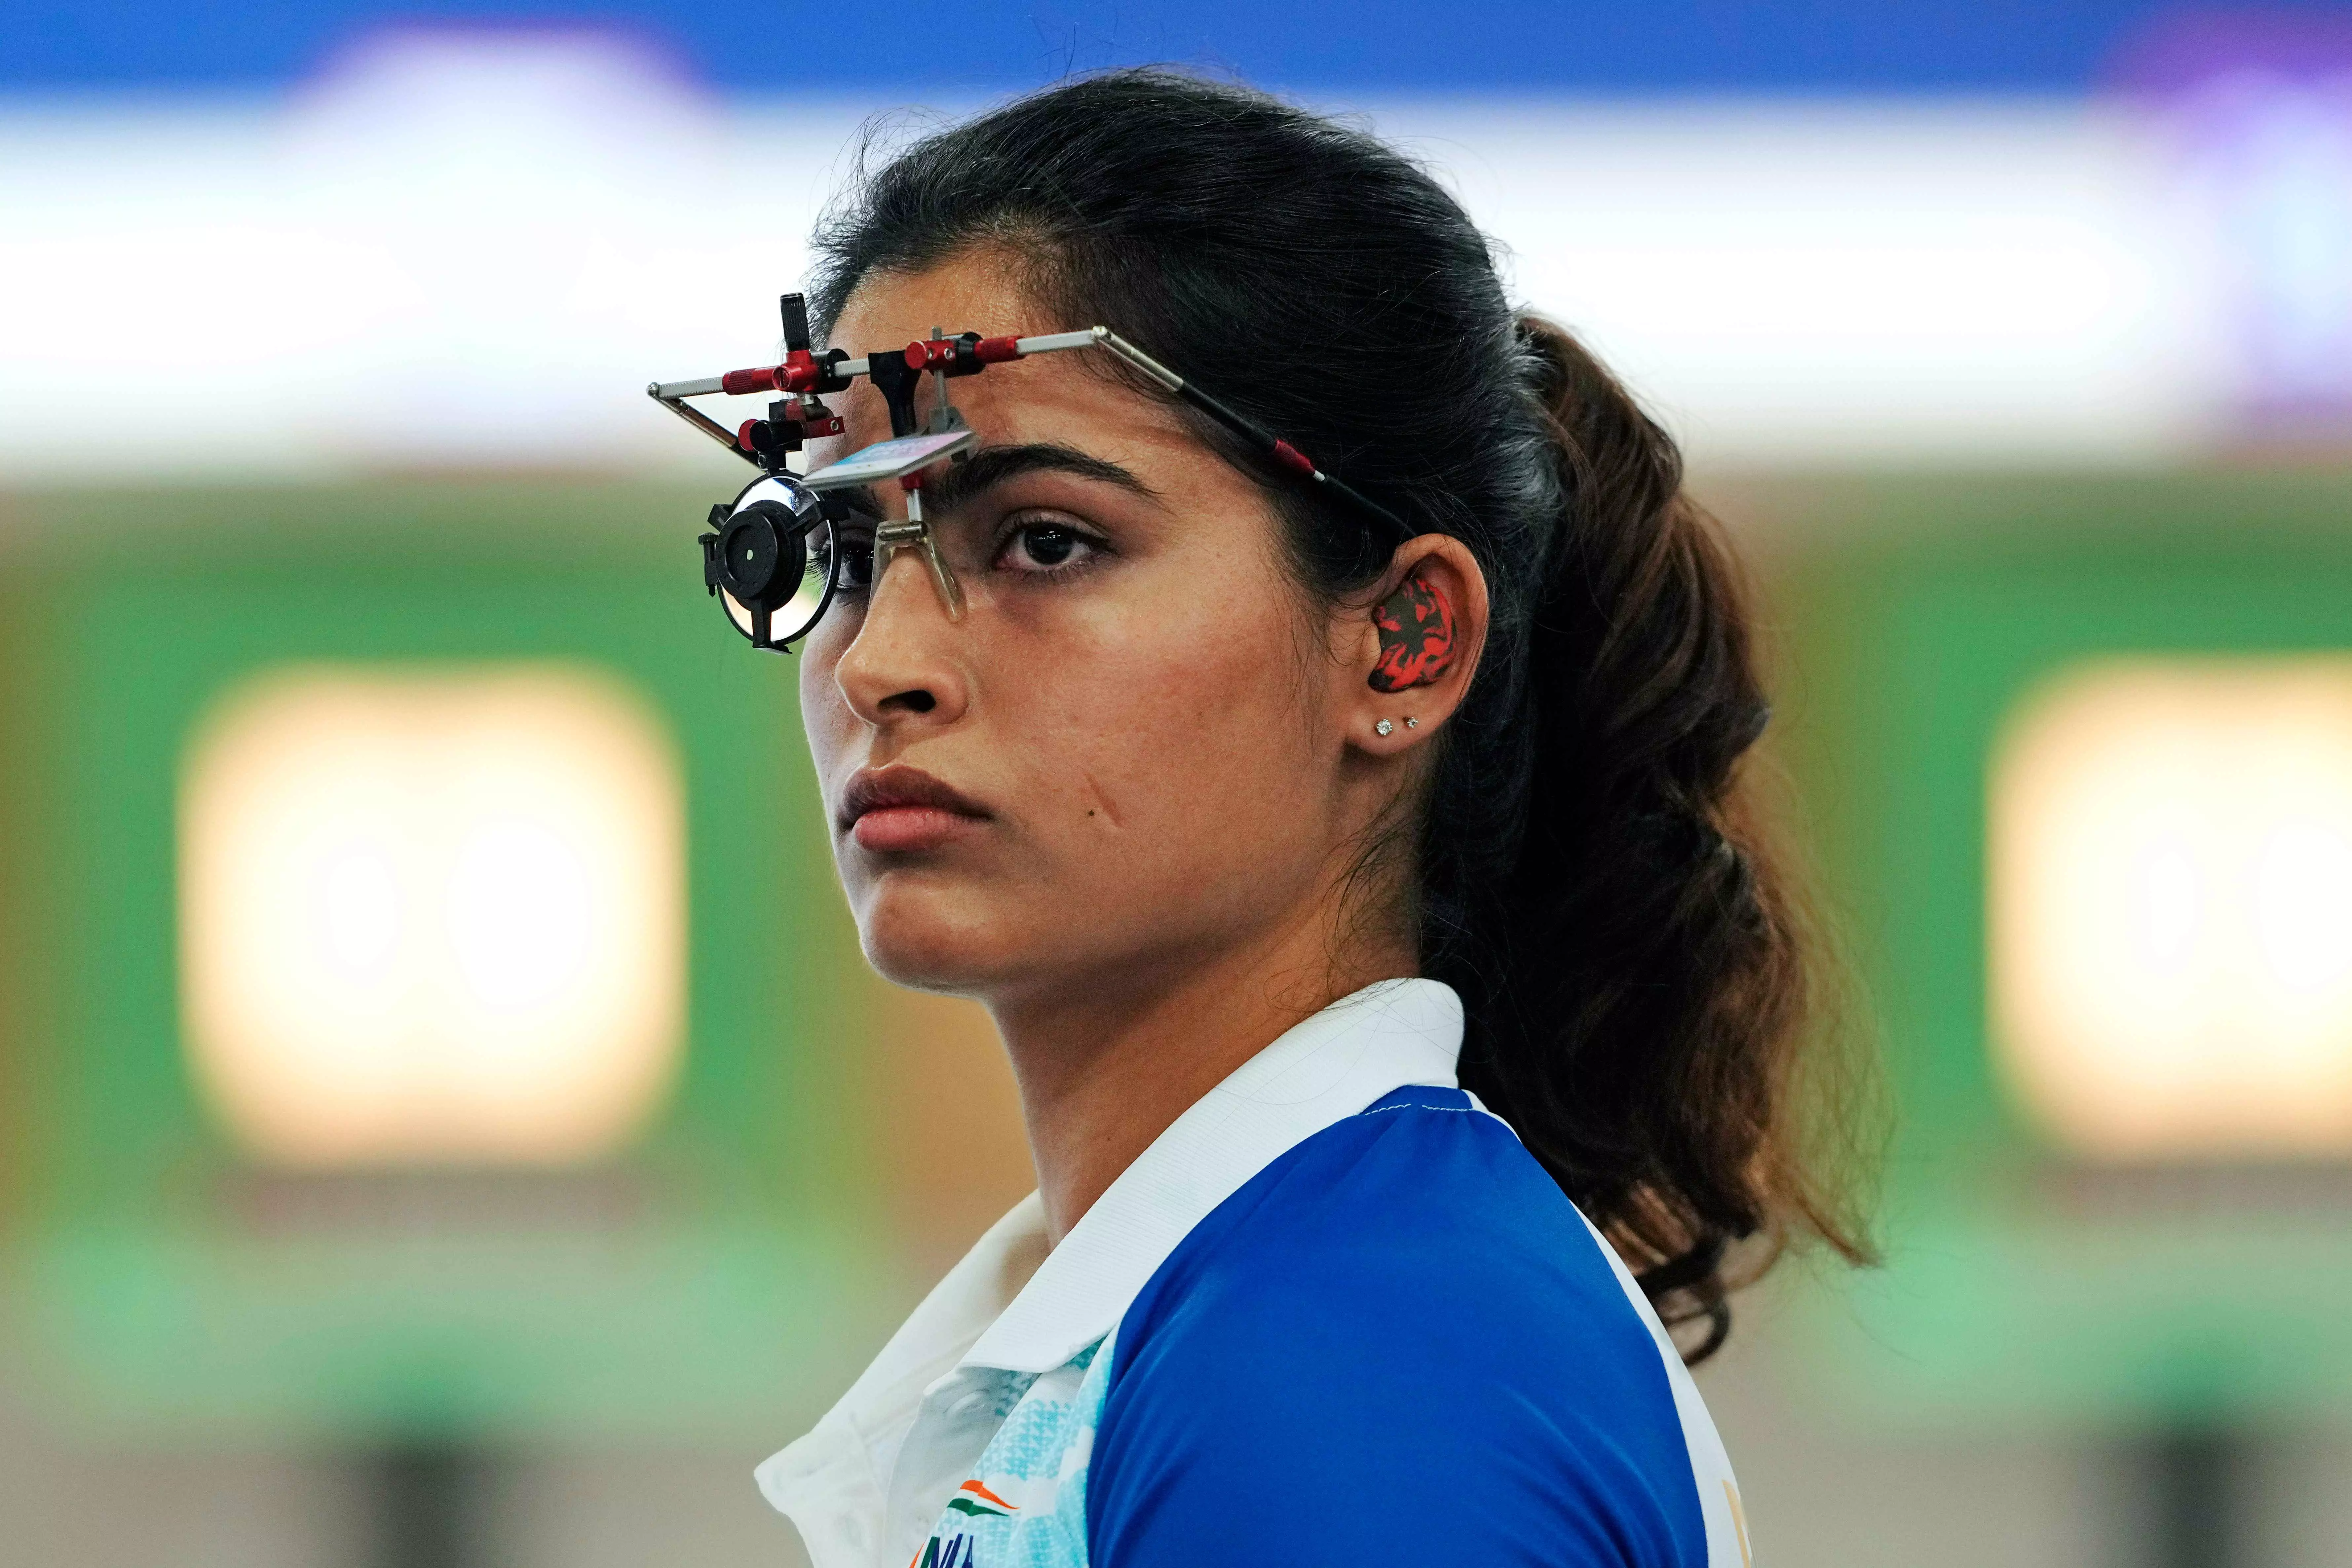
x=1357, y=903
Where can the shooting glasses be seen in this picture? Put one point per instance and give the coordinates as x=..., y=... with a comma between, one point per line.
x=778, y=554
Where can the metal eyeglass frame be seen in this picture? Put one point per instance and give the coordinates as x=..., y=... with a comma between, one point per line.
x=756, y=555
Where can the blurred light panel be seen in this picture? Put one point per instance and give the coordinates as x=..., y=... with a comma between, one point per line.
x=476, y=246
x=2170, y=908
x=470, y=248
x=1848, y=282
x=432, y=917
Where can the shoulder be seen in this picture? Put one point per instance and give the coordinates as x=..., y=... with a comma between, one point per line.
x=1398, y=1341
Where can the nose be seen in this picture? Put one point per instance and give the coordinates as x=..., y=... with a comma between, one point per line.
x=905, y=665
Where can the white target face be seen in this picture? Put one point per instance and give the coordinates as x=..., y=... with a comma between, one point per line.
x=2170, y=908
x=432, y=916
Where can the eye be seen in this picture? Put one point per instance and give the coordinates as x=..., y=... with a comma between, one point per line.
x=857, y=563
x=856, y=547
x=1045, y=547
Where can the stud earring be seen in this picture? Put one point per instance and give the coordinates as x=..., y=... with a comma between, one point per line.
x=1382, y=728
x=1412, y=723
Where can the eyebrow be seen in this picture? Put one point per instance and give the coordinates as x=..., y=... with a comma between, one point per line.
x=992, y=466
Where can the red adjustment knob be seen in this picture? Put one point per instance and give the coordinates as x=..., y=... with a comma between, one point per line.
x=799, y=373
x=925, y=355
x=744, y=434
x=996, y=351
x=743, y=382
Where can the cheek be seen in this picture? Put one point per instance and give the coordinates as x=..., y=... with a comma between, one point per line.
x=824, y=715
x=1183, y=725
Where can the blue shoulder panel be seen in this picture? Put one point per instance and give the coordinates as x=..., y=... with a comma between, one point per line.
x=1398, y=1344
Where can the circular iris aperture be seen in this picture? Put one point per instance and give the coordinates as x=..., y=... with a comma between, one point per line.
x=757, y=553
x=774, y=585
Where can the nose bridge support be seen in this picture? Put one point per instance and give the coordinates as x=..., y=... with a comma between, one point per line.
x=914, y=534
x=902, y=656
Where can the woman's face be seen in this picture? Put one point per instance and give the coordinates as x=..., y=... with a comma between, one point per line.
x=1135, y=748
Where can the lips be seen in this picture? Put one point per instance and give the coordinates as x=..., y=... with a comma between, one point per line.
x=899, y=809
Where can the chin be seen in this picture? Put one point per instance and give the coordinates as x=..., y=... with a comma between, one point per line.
x=931, y=939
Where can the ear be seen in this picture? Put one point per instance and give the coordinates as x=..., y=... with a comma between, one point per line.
x=1417, y=643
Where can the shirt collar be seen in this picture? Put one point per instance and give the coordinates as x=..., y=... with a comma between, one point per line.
x=1339, y=1062
x=832, y=1481
x=1001, y=1310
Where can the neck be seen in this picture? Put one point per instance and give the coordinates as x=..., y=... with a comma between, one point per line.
x=1105, y=1063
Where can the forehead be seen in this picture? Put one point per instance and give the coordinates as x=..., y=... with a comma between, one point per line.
x=978, y=287
x=1065, y=395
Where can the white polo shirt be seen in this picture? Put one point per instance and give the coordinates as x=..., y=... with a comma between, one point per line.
x=968, y=1441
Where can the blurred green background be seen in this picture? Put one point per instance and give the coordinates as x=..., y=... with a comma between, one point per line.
x=826, y=1145
x=661, y=1287
x=2027, y=1282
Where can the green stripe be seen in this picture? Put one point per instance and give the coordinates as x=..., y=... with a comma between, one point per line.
x=973, y=1505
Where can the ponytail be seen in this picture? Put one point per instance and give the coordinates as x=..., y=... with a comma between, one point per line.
x=1639, y=980
x=1589, y=870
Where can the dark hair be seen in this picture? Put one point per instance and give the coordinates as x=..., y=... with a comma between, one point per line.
x=1590, y=877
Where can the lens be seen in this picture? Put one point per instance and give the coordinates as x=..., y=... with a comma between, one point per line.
x=773, y=582
x=812, y=589
x=737, y=613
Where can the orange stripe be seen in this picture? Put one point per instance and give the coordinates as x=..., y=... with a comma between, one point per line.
x=986, y=1496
